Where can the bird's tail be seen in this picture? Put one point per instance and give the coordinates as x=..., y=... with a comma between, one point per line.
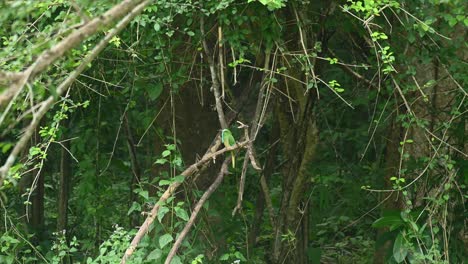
x=233, y=159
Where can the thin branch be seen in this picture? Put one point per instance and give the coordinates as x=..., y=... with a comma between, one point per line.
x=256, y=125
x=63, y=87
x=352, y=72
x=220, y=58
x=336, y=93
x=214, y=76
x=196, y=210
x=311, y=66
x=248, y=157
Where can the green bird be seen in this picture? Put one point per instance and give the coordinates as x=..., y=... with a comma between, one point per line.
x=229, y=141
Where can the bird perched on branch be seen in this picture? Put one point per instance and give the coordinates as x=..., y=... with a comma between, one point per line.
x=229, y=141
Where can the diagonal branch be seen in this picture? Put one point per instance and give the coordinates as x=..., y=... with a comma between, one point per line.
x=196, y=209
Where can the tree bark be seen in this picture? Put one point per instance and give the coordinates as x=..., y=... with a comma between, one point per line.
x=37, y=197
x=64, y=186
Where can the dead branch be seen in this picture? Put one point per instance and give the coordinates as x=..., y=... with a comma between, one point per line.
x=248, y=157
x=256, y=125
x=66, y=44
x=223, y=171
x=214, y=76
x=63, y=87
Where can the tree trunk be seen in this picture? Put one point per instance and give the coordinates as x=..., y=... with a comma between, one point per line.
x=64, y=186
x=299, y=135
x=290, y=240
x=392, y=159
x=37, y=197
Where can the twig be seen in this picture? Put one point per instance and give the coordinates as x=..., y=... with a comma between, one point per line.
x=354, y=73
x=256, y=125
x=48, y=103
x=220, y=57
x=196, y=210
x=214, y=76
x=249, y=156
x=311, y=66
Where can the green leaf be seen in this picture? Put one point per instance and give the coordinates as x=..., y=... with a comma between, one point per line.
x=157, y=26
x=387, y=221
x=154, y=255
x=162, y=212
x=160, y=161
x=224, y=257
x=164, y=240
x=144, y=194
x=164, y=182
x=339, y=90
x=176, y=260
x=240, y=256
x=6, y=146
x=170, y=147
x=166, y=153
x=399, y=249
x=135, y=207
x=181, y=213
x=424, y=27
x=179, y=178
x=155, y=91
x=33, y=151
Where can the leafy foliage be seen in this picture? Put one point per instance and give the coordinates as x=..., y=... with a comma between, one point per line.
x=361, y=132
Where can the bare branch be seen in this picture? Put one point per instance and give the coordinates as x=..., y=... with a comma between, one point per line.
x=249, y=156
x=196, y=210
x=214, y=76
x=256, y=125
